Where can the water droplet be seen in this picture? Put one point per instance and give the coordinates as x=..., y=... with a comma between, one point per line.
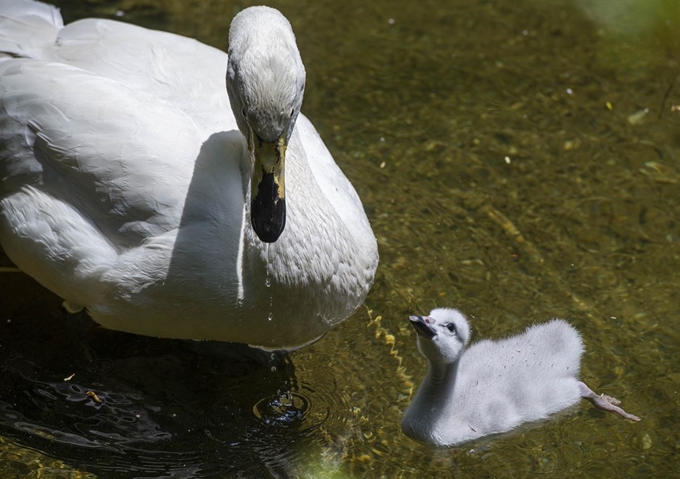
x=273, y=369
x=267, y=280
x=287, y=408
x=270, y=316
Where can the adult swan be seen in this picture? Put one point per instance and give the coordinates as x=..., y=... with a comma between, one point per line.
x=131, y=188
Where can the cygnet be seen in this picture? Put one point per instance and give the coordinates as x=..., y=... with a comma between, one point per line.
x=494, y=386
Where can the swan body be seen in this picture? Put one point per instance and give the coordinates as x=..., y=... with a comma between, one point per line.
x=135, y=184
x=494, y=386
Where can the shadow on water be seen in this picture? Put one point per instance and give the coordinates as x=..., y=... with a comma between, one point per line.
x=130, y=406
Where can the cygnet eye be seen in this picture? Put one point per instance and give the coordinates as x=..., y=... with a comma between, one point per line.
x=243, y=112
x=450, y=327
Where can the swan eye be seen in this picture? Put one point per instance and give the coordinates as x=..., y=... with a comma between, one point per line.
x=450, y=327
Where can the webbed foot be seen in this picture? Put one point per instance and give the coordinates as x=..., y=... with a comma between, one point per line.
x=604, y=402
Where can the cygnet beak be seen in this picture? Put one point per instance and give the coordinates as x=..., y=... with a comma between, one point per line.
x=423, y=326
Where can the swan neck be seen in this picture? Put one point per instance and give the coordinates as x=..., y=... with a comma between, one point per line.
x=246, y=167
x=308, y=223
x=440, y=381
x=428, y=412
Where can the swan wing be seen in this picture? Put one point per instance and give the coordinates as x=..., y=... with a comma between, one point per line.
x=119, y=156
x=180, y=70
x=27, y=29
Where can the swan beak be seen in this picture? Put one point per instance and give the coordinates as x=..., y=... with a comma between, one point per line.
x=268, y=194
x=422, y=326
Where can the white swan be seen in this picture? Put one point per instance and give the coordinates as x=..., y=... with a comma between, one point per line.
x=494, y=386
x=128, y=187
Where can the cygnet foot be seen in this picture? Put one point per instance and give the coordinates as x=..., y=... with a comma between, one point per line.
x=604, y=402
x=611, y=400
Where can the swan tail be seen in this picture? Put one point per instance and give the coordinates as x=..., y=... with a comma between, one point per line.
x=27, y=28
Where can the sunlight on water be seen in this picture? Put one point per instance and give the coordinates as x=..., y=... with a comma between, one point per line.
x=518, y=160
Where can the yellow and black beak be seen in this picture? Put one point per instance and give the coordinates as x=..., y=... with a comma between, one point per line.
x=268, y=194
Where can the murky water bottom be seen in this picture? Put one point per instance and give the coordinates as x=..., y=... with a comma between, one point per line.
x=518, y=160
x=122, y=405
x=128, y=406
x=165, y=408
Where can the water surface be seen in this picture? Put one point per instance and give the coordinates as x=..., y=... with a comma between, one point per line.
x=518, y=160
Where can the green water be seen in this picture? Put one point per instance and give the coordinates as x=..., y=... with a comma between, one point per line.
x=518, y=160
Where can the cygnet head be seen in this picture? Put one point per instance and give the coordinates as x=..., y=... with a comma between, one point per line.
x=265, y=82
x=443, y=335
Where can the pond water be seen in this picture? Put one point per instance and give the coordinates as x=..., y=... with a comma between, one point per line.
x=518, y=160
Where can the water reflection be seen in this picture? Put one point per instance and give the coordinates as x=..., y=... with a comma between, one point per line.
x=157, y=405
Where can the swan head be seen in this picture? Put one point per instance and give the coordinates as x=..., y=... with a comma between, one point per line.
x=265, y=83
x=442, y=336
